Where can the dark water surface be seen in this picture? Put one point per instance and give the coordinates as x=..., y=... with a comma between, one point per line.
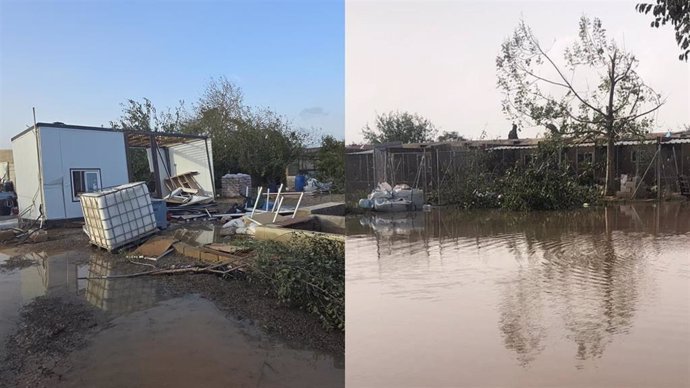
x=589, y=298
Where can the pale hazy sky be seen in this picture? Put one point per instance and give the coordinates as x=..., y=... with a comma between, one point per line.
x=437, y=58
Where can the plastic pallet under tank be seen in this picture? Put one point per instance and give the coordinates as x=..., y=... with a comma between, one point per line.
x=118, y=216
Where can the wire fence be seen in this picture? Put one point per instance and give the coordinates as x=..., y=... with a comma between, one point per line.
x=430, y=168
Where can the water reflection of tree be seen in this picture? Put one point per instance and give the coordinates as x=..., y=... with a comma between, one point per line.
x=521, y=320
x=584, y=268
x=592, y=276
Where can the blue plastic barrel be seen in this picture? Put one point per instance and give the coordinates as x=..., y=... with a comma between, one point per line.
x=300, y=181
x=160, y=211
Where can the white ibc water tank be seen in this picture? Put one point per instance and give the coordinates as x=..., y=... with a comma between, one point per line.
x=119, y=215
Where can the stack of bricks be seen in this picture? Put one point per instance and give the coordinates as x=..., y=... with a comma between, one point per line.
x=232, y=185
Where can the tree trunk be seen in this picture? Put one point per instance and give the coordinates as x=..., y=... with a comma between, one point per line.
x=610, y=133
x=610, y=166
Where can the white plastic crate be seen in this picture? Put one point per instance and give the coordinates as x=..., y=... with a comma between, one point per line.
x=119, y=215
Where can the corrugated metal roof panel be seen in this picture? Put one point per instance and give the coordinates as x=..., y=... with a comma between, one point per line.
x=512, y=147
x=367, y=152
x=635, y=142
x=677, y=141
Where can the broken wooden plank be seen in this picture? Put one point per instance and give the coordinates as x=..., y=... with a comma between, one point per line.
x=226, y=248
x=294, y=221
x=155, y=247
x=208, y=255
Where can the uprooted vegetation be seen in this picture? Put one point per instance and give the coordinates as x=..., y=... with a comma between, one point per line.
x=544, y=182
x=307, y=273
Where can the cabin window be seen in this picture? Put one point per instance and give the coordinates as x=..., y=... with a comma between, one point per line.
x=585, y=157
x=84, y=181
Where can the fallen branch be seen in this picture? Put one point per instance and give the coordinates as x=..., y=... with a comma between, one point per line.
x=138, y=263
x=171, y=271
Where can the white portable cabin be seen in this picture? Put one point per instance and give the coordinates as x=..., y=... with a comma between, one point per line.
x=56, y=162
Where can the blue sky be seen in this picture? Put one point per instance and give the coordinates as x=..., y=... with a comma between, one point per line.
x=76, y=61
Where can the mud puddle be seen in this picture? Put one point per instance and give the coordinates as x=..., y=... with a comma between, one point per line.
x=59, y=330
x=187, y=341
x=25, y=277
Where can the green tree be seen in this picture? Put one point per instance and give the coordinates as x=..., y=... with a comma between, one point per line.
x=403, y=127
x=450, y=136
x=218, y=114
x=678, y=13
x=330, y=164
x=264, y=144
x=143, y=116
x=256, y=141
x=536, y=88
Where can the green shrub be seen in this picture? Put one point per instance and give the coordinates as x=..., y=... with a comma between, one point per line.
x=544, y=184
x=469, y=185
x=307, y=273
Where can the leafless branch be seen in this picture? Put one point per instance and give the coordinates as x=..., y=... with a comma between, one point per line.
x=568, y=84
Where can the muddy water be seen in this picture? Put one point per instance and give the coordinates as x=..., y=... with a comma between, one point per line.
x=153, y=339
x=188, y=342
x=590, y=298
x=50, y=274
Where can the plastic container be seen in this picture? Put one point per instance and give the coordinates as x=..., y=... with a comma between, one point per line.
x=366, y=203
x=160, y=211
x=416, y=196
x=300, y=181
x=117, y=216
x=8, y=186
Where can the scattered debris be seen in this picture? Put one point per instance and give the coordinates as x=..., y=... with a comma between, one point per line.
x=8, y=234
x=243, y=225
x=314, y=186
x=20, y=236
x=154, y=249
x=385, y=198
x=186, y=197
x=227, y=248
x=184, y=181
x=170, y=271
x=38, y=235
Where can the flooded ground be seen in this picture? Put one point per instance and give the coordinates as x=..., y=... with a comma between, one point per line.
x=57, y=330
x=188, y=342
x=590, y=298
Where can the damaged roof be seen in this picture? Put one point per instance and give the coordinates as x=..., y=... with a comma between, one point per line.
x=134, y=138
